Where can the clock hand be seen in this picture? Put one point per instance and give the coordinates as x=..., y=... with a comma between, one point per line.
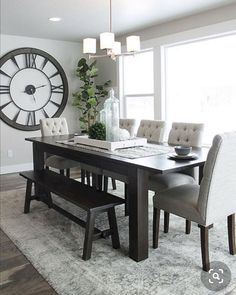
x=33, y=97
x=40, y=86
x=30, y=90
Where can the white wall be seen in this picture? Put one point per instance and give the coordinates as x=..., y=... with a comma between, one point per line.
x=67, y=54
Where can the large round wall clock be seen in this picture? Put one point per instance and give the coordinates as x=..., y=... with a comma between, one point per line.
x=33, y=86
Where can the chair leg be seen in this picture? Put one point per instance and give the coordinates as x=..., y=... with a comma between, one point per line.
x=231, y=234
x=156, y=224
x=94, y=180
x=62, y=172
x=126, y=200
x=113, y=226
x=204, y=233
x=28, y=196
x=68, y=172
x=187, y=227
x=166, y=221
x=88, y=239
x=87, y=177
x=105, y=183
x=83, y=176
x=99, y=182
x=113, y=183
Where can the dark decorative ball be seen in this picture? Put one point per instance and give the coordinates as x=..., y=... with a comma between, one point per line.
x=97, y=131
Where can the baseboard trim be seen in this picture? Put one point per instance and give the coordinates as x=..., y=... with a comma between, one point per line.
x=16, y=168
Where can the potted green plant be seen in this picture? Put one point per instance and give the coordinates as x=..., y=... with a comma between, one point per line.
x=90, y=95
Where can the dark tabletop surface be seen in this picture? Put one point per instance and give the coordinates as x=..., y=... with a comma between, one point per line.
x=156, y=163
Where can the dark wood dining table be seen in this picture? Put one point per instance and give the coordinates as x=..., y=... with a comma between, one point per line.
x=137, y=171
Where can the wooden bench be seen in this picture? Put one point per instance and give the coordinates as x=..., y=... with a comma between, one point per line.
x=85, y=197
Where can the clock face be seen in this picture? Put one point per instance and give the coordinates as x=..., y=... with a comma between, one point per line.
x=33, y=86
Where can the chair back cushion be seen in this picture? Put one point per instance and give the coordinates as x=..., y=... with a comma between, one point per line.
x=53, y=126
x=129, y=124
x=187, y=134
x=217, y=197
x=152, y=130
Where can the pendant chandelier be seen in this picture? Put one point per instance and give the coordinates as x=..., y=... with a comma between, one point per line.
x=111, y=47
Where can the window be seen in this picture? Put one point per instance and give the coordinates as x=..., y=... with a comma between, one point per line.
x=137, y=86
x=200, y=84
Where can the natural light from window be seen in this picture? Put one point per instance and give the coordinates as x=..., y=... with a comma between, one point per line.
x=137, y=81
x=201, y=84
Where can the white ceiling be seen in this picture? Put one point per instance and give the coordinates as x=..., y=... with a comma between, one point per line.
x=83, y=18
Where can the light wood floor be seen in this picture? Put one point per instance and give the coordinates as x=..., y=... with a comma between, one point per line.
x=17, y=274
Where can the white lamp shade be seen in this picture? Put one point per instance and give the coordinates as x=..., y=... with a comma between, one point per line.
x=116, y=48
x=107, y=40
x=133, y=43
x=89, y=45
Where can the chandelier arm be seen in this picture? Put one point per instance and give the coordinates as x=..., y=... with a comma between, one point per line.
x=110, y=18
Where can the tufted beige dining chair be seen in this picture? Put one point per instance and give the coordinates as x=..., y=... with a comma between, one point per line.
x=187, y=134
x=213, y=200
x=129, y=124
x=152, y=130
x=58, y=126
x=52, y=127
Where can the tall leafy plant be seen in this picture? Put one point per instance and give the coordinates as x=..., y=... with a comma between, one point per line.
x=89, y=95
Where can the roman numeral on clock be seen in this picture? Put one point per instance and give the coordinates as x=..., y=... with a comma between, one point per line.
x=5, y=74
x=30, y=60
x=5, y=105
x=4, y=89
x=31, y=119
x=57, y=89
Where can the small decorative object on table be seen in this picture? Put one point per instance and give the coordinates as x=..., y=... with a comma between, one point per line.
x=183, y=150
x=97, y=131
x=111, y=107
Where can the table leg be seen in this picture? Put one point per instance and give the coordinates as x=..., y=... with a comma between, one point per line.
x=138, y=214
x=38, y=162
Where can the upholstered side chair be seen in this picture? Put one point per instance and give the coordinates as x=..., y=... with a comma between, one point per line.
x=187, y=134
x=58, y=126
x=213, y=200
x=131, y=125
x=52, y=127
x=153, y=130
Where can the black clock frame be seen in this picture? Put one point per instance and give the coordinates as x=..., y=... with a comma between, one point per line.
x=48, y=57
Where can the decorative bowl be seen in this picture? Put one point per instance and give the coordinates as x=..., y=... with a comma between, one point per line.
x=183, y=150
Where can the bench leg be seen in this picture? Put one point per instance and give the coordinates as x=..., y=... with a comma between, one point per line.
x=113, y=226
x=68, y=172
x=28, y=196
x=62, y=172
x=88, y=240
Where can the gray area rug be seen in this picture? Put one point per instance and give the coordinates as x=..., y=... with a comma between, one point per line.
x=54, y=246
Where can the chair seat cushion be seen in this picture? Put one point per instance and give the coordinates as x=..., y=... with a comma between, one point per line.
x=115, y=175
x=159, y=182
x=181, y=200
x=61, y=163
